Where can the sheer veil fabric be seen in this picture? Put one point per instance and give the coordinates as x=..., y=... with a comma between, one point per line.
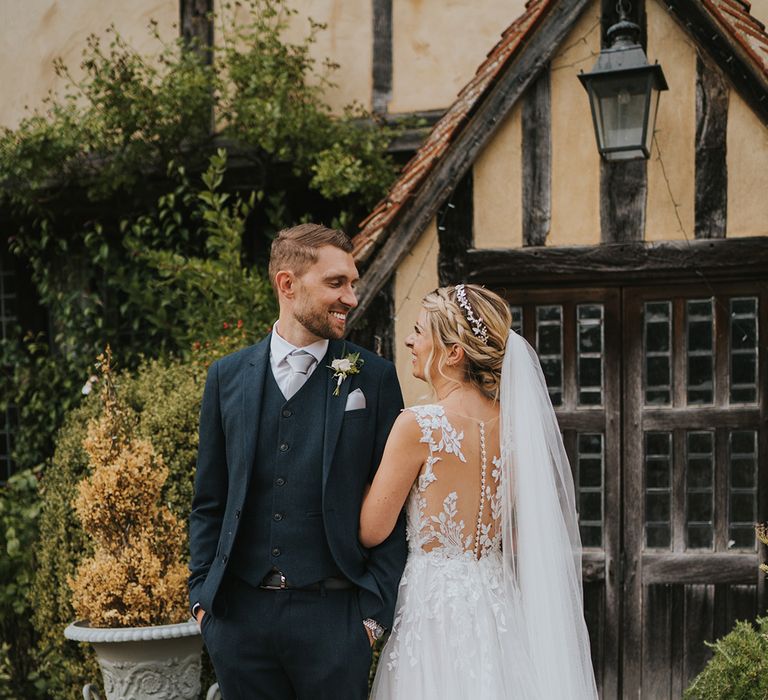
x=489, y=605
x=539, y=518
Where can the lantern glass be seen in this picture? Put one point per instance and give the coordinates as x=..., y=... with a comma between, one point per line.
x=621, y=104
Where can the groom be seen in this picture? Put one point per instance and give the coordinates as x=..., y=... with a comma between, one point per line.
x=288, y=600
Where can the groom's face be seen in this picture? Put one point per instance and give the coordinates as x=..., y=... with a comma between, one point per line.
x=325, y=293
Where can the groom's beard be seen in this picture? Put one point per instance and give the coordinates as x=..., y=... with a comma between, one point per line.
x=317, y=322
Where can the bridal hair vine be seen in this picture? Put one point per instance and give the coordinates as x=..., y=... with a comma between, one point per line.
x=479, y=329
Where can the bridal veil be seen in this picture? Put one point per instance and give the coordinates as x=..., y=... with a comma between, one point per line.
x=540, y=522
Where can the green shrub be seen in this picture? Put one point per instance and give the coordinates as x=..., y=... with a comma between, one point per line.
x=165, y=394
x=739, y=668
x=19, y=513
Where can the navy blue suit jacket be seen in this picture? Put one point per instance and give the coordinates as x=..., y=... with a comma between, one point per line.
x=353, y=445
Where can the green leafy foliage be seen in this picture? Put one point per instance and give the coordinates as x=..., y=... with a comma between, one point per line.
x=165, y=395
x=19, y=515
x=130, y=223
x=739, y=668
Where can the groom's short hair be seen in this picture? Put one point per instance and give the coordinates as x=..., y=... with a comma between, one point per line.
x=295, y=248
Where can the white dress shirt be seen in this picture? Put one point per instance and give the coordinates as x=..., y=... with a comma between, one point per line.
x=279, y=349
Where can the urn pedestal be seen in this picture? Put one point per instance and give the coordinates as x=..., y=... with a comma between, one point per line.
x=144, y=663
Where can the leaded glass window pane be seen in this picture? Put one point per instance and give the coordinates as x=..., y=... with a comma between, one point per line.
x=699, y=351
x=699, y=488
x=658, y=489
x=742, y=488
x=517, y=319
x=657, y=333
x=590, y=354
x=743, y=358
x=590, y=461
x=549, y=345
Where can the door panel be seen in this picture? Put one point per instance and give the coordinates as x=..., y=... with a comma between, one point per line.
x=660, y=397
x=576, y=335
x=693, y=443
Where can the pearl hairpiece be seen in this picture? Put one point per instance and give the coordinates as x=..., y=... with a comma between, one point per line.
x=479, y=329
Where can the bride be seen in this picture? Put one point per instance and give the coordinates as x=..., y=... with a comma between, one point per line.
x=490, y=603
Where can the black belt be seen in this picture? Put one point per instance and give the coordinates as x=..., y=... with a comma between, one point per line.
x=275, y=581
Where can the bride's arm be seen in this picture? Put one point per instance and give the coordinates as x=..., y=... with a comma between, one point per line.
x=400, y=464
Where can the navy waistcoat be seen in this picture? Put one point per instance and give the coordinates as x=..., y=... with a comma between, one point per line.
x=282, y=520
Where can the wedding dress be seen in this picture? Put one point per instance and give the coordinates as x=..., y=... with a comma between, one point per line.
x=489, y=605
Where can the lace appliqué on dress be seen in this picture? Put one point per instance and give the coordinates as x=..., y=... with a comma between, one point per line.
x=449, y=570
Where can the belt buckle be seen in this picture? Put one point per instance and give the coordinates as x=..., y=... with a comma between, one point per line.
x=283, y=584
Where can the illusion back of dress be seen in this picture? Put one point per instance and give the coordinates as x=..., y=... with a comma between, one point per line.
x=454, y=507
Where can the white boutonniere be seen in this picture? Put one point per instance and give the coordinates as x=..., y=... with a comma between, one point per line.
x=345, y=366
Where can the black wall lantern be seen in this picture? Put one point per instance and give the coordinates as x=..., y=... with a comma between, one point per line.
x=624, y=94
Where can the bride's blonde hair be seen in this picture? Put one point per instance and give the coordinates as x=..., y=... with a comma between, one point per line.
x=483, y=343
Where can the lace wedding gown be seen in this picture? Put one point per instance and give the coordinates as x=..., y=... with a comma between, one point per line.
x=458, y=630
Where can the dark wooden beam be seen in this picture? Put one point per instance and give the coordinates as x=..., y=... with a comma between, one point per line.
x=748, y=80
x=635, y=13
x=482, y=125
x=537, y=161
x=623, y=184
x=621, y=263
x=623, y=198
x=382, y=56
x=377, y=330
x=692, y=568
x=196, y=22
x=711, y=190
x=455, y=233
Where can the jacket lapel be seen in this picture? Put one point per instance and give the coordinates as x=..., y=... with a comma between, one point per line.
x=334, y=407
x=253, y=388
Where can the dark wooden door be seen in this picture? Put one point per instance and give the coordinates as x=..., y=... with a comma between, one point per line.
x=577, y=335
x=694, y=475
x=660, y=402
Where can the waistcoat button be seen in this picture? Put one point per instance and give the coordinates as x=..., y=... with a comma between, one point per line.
x=276, y=552
x=278, y=516
x=280, y=481
x=284, y=447
x=287, y=413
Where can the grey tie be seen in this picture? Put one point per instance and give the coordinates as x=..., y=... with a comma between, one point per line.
x=300, y=362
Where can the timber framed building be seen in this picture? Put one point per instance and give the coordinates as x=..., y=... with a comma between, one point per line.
x=644, y=287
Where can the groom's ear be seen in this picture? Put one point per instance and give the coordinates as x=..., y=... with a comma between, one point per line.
x=285, y=283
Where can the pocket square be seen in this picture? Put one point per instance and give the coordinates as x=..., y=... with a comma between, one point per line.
x=355, y=400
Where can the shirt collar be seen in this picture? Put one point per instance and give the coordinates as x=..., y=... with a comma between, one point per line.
x=280, y=348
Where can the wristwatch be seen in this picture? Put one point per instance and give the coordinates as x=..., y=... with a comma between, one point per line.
x=376, y=630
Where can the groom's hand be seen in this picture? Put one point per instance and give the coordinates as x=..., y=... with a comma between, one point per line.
x=200, y=613
x=371, y=640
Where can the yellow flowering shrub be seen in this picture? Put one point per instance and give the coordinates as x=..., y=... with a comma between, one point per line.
x=136, y=575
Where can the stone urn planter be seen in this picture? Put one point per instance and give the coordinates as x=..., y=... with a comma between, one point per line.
x=144, y=663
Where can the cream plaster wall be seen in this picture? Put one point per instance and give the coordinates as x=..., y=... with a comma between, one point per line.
x=671, y=168
x=415, y=277
x=35, y=32
x=438, y=44
x=747, y=154
x=497, y=185
x=575, y=159
x=760, y=10
x=347, y=41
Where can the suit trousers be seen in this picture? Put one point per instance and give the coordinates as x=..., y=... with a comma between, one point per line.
x=288, y=644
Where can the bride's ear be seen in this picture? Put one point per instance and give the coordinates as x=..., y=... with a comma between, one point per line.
x=454, y=355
